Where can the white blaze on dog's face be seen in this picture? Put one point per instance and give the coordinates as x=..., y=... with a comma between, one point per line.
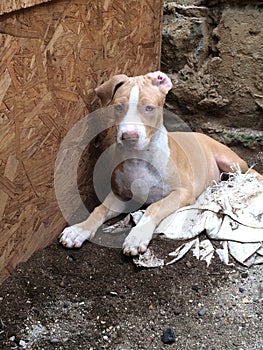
x=131, y=131
x=138, y=106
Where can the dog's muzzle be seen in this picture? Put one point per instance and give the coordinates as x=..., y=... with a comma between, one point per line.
x=130, y=137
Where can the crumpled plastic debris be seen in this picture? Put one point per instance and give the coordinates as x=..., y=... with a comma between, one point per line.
x=231, y=215
x=148, y=259
x=119, y=226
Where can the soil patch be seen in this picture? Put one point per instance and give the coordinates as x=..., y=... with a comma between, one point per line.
x=96, y=298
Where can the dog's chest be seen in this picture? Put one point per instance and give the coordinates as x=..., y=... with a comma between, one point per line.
x=139, y=179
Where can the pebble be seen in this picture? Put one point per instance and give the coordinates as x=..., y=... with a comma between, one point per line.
x=177, y=312
x=113, y=293
x=54, y=340
x=244, y=275
x=73, y=257
x=168, y=336
x=241, y=289
x=62, y=284
x=22, y=343
x=245, y=301
x=202, y=312
x=122, y=347
x=188, y=264
x=195, y=288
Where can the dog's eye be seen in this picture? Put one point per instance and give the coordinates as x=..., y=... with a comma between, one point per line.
x=118, y=107
x=149, y=108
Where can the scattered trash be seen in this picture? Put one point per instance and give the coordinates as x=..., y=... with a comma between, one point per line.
x=148, y=260
x=118, y=226
x=229, y=212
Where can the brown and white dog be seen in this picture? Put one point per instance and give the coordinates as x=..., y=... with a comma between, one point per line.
x=164, y=170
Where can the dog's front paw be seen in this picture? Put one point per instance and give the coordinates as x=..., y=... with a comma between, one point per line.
x=73, y=237
x=136, y=243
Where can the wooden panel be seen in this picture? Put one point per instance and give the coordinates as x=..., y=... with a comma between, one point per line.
x=7, y=6
x=52, y=57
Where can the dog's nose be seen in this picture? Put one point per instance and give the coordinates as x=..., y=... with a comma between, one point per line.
x=130, y=135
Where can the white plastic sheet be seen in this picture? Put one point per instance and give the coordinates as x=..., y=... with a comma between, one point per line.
x=230, y=213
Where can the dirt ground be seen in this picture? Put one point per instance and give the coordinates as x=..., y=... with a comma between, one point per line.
x=96, y=298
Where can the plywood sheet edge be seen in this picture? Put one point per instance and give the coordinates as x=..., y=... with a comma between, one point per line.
x=7, y=6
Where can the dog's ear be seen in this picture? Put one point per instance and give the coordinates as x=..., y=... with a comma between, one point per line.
x=107, y=90
x=161, y=80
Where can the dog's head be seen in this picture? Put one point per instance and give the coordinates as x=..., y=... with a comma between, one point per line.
x=137, y=104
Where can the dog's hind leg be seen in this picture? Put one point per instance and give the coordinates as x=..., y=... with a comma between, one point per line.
x=228, y=161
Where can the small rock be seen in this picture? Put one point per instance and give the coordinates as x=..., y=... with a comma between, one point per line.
x=54, y=340
x=177, y=312
x=246, y=301
x=195, y=288
x=62, y=284
x=188, y=264
x=202, y=312
x=162, y=312
x=113, y=293
x=72, y=257
x=244, y=275
x=22, y=343
x=241, y=289
x=122, y=347
x=13, y=338
x=168, y=336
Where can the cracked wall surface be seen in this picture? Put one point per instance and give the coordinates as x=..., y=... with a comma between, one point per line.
x=213, y=50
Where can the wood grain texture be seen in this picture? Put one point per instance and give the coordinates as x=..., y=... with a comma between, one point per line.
x=7, y=6
x=52, y=57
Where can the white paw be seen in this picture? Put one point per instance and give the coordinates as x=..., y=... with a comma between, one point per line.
x=136, y=243
x=139, y=237
x=73, y=236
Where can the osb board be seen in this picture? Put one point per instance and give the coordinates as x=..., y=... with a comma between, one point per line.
x=52, y=57
x=14, y=5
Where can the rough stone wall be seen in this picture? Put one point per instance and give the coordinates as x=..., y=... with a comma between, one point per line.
x=213, y=51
